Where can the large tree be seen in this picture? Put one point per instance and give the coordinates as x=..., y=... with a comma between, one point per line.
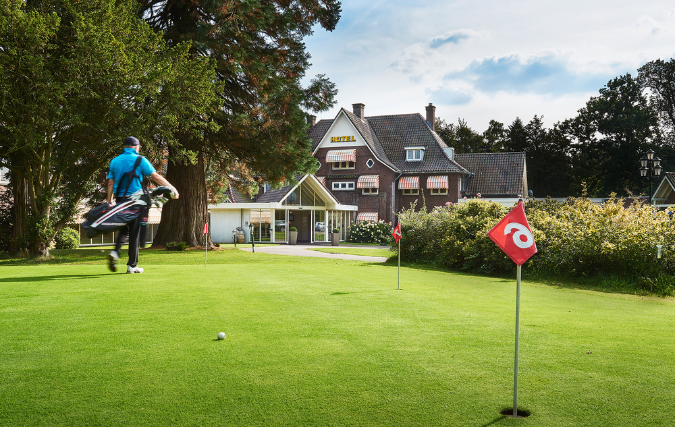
x=609, y=135
x=261, y=61
x=76, y=77
x=658, y=77
x=549, y=170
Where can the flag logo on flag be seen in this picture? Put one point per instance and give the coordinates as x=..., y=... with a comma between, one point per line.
x=514, y=236
x=397, y=232
x=206, y=228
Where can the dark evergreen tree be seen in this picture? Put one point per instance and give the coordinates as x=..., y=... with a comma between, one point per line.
x=260, y=60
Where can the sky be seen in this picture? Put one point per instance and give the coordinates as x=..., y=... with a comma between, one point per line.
x=482, y=60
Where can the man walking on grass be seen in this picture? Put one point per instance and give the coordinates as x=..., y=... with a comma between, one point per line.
x=124, y=179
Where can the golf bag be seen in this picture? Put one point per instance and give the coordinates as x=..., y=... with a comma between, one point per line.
x=108, y=218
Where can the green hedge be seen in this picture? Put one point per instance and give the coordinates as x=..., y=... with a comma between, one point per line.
x=575, y=239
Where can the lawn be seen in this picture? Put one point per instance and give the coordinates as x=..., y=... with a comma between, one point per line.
x=313, y=341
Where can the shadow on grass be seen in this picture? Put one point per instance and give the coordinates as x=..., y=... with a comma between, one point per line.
x=43, y=278
x=603, y=284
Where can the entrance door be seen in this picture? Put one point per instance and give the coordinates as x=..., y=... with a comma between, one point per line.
x=304, y=231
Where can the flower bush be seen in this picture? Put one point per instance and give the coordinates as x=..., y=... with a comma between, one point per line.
x=575, y=239
x=370, y=232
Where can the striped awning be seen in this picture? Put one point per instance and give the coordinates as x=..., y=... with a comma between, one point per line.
x=368, y=181
x=437, y=182
x=321, y=179
x=367, y=216
x=340, y=156
x=409, y=183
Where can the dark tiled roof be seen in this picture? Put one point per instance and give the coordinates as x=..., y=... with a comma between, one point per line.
x=495, y=174
x=388, y=136
x=316, y=132
x=396, y=132
x=274, y=195
x=236, y=196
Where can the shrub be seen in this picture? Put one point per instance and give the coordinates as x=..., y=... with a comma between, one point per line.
x=292, y=229
x=177, y=246
x=67, y=238
x=576, y=239
x=370, y=232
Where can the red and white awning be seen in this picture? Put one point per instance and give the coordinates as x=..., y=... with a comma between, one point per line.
x=368, y=181
x=321, y=179
x=437, y=182
x=367, y=216
x=409, y=183
x=340, y=156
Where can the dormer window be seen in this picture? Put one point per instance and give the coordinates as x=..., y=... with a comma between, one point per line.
x=414, y=154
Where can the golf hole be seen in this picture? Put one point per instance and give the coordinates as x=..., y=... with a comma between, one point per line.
x=522, y=413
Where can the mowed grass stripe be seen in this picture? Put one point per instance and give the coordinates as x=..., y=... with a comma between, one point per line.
x=321, y=342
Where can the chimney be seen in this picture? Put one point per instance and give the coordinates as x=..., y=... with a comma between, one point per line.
x=359, y=110
x=431, y=116
x=311, y=119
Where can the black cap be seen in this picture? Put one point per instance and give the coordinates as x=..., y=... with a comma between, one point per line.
x=131, y=141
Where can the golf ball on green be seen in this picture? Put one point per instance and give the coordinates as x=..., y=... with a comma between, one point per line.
x=221, y=335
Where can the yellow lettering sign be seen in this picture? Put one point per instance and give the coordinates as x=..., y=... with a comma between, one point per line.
x=343, y=138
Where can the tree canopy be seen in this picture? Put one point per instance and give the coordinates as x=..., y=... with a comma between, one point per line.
x=76, y=78
x=261, y=61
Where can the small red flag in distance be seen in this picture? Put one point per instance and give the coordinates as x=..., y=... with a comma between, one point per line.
x=514, y=236
x=397, y=232
x=206, y=228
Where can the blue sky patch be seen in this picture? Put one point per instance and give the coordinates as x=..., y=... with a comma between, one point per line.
x=545, y=75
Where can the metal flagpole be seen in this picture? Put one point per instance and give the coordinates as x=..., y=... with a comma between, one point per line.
x=515, y=365
x=399, y=265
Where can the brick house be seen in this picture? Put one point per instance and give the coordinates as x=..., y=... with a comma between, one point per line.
x=383, y=164
x=370, y=168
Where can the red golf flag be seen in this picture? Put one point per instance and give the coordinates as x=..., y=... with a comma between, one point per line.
x=514, y=236
x=206, y=228
x=397, y=232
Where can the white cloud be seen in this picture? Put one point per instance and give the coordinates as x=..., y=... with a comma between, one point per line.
x=488, y=60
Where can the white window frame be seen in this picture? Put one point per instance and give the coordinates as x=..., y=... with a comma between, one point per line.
x=410, y=191
x=343, y=185
x=438, y=191
x=370, y=163
x=410, y=154
x=344, y=165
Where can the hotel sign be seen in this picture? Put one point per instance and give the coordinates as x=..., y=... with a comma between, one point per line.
x=342, y=138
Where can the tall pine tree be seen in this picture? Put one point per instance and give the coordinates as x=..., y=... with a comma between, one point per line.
x=260, y=60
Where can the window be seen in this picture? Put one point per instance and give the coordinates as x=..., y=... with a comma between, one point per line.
x=342, y=186
x=438, y=191
x=414, y=154
x=411, y=192
x=370, y=191
x=343, y=165
x=370, y=163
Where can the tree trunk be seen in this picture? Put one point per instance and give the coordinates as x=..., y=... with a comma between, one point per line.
x=183, y=219
x=20, y=212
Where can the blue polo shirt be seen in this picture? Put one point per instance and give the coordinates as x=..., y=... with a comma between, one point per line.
x=123, y=163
